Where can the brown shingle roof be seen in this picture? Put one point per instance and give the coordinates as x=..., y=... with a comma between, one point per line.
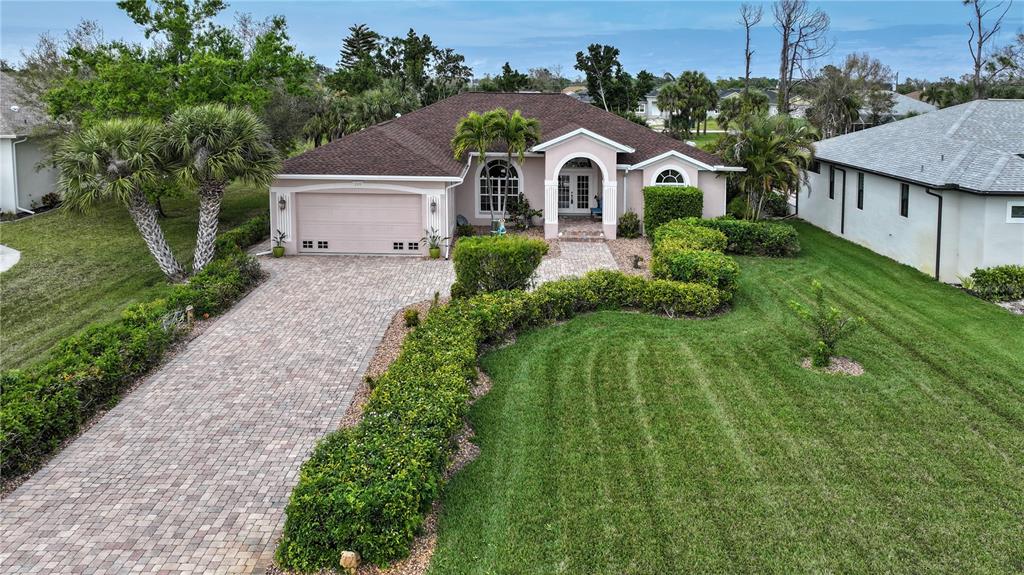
x=419, y=143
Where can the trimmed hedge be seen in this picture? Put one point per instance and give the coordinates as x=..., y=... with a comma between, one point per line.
x=695, y=237
x=754, y=238
x=44, y=404
x=999, y=283
x=251, y=232
x=369, y=487
x=495, y=263
x=674, y=259
x=666, y=203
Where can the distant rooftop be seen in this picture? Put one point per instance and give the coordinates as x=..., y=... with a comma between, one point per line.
x=975, y=147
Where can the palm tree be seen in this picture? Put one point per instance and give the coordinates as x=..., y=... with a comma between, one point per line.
x=118, y=160
x=519, y=134
x=775, y=151
x=209, y=147
x=669, y=100
x=475, y=133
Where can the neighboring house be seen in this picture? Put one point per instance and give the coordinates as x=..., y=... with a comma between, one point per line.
x=942, y=192
x=903, y=107
x=773, y=96
x=22, y=182
x=377, y=190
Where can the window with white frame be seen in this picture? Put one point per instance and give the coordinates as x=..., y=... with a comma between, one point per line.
x=641, y=107
x=670, y=177
x=1015, y=212
x=498, y=182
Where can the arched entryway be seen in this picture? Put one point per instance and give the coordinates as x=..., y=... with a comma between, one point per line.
x=579, y=188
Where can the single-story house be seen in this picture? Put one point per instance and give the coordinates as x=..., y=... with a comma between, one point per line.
x=377, y=190
x=903, y=107
x=942, y=192
x=23, y=181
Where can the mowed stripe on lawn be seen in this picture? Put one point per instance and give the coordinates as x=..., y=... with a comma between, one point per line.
x=623, y=443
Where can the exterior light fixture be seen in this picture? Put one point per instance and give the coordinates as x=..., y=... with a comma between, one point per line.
x=282, y=203
x=433, y=205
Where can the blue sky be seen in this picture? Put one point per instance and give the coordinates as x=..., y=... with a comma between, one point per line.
x=920, y=39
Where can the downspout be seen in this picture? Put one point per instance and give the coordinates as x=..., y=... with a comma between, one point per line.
x=14, y=168
x=938, y=233
x=842, y=207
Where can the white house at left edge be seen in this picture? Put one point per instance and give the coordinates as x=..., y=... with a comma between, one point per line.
x=24, y=180
x=377, y=191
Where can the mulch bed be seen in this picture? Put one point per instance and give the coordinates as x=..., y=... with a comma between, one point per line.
x=1016, y=307
x=625, y=250
x=838, y=366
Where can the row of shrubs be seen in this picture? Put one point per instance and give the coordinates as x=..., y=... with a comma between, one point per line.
x=686, y=252
x=369, y=487
x=45, y=403
x=999, y=283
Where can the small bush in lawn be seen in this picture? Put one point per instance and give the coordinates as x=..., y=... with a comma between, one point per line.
x=666, y=203
x=412, y=317
x=495, y=263
x=674, y=260
x=629, y=225
x=754, y=238
x=694, y=237
x=1000, y=283
x=829, y=326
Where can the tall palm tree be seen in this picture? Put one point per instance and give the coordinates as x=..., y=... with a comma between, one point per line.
x=519, y=134
x=209, y=147
x=475, y=133
x=118, y=160
x=775, y=151
x=669, y=100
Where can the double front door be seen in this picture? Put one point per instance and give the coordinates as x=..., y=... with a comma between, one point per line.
x=574, y=192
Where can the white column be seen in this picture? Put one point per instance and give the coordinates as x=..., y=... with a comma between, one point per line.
x=551, y=209
x=610, y=210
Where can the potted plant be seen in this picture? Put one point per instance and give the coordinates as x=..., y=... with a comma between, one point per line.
x=279, y=239
x=433, y=242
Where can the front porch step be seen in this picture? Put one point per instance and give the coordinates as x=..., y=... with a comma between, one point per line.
x=581, y=236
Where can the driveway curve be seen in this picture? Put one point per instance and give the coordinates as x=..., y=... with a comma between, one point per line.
x=191, y=471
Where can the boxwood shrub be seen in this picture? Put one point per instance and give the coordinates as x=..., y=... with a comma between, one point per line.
x=666, y=203
x=369, y=487
x=495, y=263
x=999, y=283
x=44, y=404
x=754, y=238
x=694, y=237
x=673, y=259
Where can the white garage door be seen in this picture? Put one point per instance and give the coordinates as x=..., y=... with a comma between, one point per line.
x=359, y=223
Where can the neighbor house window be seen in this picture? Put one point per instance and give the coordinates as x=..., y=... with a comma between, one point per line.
x=816, y=167
x=671, y=177
x=831, y=183
x=860, y=190
x=905, y=200
x=498, y=182
x=641, y=108
x=1015, y=212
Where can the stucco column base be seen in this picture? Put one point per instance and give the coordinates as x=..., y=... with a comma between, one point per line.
x=551, y=230
x=609, y=231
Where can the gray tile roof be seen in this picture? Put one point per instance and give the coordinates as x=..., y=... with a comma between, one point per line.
x=19, y=115
x=974, y=147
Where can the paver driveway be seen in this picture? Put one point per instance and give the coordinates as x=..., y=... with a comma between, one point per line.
x=192, y=470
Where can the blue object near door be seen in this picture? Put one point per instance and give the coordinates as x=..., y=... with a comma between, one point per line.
x=595, y=212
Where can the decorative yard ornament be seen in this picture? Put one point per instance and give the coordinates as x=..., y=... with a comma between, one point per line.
x=350, y=561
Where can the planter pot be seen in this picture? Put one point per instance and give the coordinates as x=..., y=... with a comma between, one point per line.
x=278, y=251
x=435, y=253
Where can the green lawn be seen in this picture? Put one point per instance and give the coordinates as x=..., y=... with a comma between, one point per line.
x=707, y=142
x=76, y=269
x=625, y=443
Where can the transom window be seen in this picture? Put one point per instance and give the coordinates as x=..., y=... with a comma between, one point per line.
x=670, y=177
x=498, y=182
x=579, y=163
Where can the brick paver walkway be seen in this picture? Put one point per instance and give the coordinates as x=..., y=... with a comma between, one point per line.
x=190, y=473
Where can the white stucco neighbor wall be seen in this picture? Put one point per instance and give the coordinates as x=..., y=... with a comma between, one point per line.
x=974, y=231
x=21, y=183
x=8, y=193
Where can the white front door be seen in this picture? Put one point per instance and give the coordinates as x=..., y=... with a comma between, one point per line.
x=575, y=192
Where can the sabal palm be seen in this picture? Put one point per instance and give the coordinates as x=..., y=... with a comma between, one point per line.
x=209, y=147
x=519, y=133
x=475, y=133
x=775, y=152
x=118, y=160
x=669, y=100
